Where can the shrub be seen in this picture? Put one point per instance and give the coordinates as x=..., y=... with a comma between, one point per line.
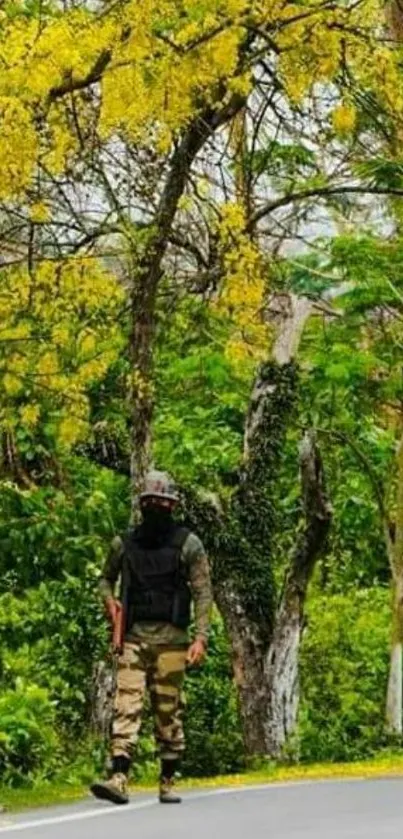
x=29, y=745
x=344, y=665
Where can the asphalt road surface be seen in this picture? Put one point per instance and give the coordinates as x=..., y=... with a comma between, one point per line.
x=346, y=810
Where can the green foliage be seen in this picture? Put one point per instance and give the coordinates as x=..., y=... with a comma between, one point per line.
x=381, y=172
x=344, y=662
x=53, y=544
x=29, y=744
x=357, y=553
x=352, y=391
x=46, y=532
x=240, y=538
x=201, y=399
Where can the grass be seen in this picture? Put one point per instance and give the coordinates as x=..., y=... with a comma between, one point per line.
x=47, y=794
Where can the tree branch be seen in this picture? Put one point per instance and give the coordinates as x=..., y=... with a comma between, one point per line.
x=70, y=84
x=319, y=192
x=318, y=516
x=94, y=75
x=281, y=668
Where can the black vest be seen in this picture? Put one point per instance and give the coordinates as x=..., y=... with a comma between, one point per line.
x=156, y=584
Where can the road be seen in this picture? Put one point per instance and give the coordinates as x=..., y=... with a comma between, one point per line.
x=346, y=810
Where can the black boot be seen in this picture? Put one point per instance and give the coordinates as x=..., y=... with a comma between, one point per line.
x=167, y=795
x=114, y=790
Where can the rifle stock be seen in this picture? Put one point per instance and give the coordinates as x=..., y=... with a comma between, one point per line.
x=118, y=629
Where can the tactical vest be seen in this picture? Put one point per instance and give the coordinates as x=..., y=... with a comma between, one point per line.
x=156, y=584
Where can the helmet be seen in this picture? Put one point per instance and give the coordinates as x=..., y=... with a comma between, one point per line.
x=159, y=485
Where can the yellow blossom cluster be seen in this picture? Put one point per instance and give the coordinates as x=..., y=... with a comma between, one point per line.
x=59, y=334
x=154, y=64
x=241, y=296
x=344, y=118
x=314, y=48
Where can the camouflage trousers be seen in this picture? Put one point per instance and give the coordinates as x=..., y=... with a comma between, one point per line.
x=160, y=670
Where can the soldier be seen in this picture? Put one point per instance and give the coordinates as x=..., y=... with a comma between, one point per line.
x=163, y=568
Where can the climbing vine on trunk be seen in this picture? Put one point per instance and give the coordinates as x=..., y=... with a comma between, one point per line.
x=265, y=628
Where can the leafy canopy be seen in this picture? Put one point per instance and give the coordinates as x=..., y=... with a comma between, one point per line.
x=145, y=69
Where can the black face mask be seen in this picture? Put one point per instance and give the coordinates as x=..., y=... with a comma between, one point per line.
x=156, y=525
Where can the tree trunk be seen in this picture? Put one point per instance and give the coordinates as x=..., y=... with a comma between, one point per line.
x=282, y=659
x=269, y=415
x=394, y=18
x=266, y=666
x=248, y=668
x=148, y=273
x=282, y=682
x=265, y=640
x=394, y=697
x=394, y=692
x=103, y=690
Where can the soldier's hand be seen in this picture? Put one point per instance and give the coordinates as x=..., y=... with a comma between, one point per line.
x=112, y=609
x=196, y=652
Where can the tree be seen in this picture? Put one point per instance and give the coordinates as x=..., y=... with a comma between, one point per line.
x=264, y=626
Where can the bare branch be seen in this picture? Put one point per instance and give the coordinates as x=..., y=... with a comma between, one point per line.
x=318, y=192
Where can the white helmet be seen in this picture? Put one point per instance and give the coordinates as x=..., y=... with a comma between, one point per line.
x=159, y=485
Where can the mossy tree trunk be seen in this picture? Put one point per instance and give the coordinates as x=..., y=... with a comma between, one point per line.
x=265, y=631
x=282, y=658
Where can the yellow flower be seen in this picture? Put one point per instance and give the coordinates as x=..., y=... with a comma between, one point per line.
x=48, y=364
x=12, y=384
x=344, y=118
x=15, y=333
x=61, y=335
x=70, y=431
x=242, y=294
x=88, y=343
x=39, y=213
x=30, y=414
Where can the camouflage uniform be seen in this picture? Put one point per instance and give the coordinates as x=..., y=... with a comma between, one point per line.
x=154, y=658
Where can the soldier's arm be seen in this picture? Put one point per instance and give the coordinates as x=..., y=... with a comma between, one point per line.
x=200, y=584
x=111, y=570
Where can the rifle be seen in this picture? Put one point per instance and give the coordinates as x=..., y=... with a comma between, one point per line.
x=118, y=628
x=121, y=617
